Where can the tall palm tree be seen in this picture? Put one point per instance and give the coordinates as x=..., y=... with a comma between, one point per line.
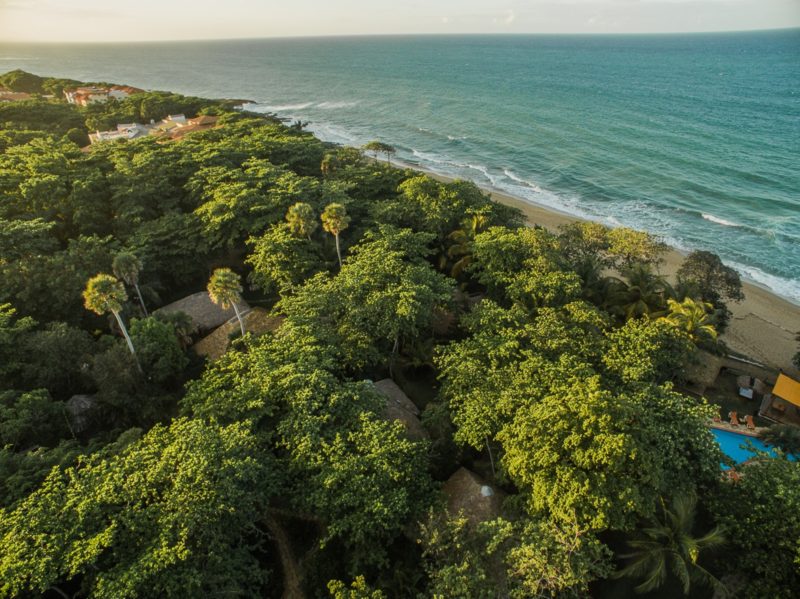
x=301, y=219
x=693, y=317
x=461, y=249
x=225, y=289
x=127, y=266
x=334, y=221
x=104, y=294
x=645, y=293
x=668, y=546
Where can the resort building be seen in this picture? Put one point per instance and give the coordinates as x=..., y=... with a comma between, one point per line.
x=123, y=131
x=782, y=404
x=83, y=96
x=9, y=96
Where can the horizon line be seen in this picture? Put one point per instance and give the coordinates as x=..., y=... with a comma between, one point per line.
x=411, y=34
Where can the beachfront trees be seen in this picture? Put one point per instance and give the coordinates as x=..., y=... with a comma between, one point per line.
x=301, y=219
x=645, y=293
x=103, y=294
x=668, y=549
x=704, y=277
x=645, y=350
x=378, y=147
x=693, y=318
x=126, y=266
x=334, y=221
x=710, y=278
x=225, y=289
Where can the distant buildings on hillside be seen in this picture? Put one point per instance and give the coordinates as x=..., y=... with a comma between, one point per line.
x=83, y=96
x=173, y=127
x=9, y=96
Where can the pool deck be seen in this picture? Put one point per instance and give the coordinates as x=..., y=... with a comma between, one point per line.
x=741, y=429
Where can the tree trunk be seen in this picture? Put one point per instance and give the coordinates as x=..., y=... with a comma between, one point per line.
x=124, y=332
x=292, y=585
x=338, y=251
x=239, y=316
x=141, y=300
x=127, y=338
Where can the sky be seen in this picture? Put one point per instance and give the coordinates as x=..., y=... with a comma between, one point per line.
x=150, y=20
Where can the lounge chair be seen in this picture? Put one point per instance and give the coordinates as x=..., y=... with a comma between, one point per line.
x=750, y=422
x=734, y=418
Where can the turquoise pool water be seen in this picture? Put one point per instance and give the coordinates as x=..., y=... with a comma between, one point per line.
x=733, y=445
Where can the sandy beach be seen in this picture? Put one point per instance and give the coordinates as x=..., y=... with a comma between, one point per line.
x=763, y=325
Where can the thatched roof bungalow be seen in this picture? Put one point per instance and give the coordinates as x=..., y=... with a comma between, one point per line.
x=400, y=407
x=256, y=321
x=468, y=493
x=205, y=314
x=704, y=372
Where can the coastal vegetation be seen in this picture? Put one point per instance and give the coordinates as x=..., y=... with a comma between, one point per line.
x=550, y=364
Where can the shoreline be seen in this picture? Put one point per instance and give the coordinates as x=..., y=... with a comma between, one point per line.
x=763, y=326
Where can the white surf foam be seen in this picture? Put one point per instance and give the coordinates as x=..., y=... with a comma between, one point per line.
x=336, y=105
x=719, y=221
x=283, y=107
x=784, y=287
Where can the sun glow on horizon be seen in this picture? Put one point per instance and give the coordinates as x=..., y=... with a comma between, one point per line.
x=150, y=20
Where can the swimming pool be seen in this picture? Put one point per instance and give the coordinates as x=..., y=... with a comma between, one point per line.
x=730, y=443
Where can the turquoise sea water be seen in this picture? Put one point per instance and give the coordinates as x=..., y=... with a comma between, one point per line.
x=693, y=137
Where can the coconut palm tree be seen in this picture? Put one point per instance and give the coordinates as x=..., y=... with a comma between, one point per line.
x=127, y=266
x=334, y=221
x=461, y=250
x=667, y=546
x=104, y=294
x=225, y=289
x=644, y=292
x=301, y=219
x=693, y=317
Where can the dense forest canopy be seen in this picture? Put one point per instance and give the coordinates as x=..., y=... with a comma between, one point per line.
x=548, y=364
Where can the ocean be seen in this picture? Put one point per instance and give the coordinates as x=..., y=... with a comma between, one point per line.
x=695, y=138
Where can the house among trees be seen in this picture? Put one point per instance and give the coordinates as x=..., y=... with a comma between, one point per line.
x=83, y=96
x=257, y=321
x=123, y=131
x=205, y=314
x=400, y=407
x=782, y=405
x=174, y=126
x=9, y=96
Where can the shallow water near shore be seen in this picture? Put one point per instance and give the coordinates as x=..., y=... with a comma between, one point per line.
x=693, y=137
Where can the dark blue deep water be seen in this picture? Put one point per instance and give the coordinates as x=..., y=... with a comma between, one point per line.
x=693, y=137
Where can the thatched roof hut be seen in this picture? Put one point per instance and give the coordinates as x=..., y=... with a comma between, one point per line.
x=468, y=492
x=257, y=321
x=400, y=407
x=704, y=372
x=205, y=314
